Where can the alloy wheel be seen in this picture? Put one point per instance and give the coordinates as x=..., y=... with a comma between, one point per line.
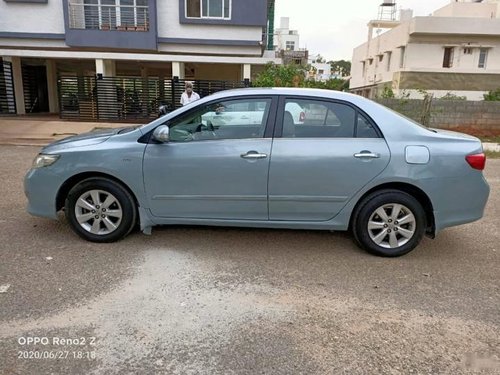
x=98, y=212
x=392, y=225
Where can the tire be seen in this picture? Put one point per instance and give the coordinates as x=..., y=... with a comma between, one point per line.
x=376, y=227
x=111, y=219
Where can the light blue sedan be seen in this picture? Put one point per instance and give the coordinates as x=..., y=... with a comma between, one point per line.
x=348, y=164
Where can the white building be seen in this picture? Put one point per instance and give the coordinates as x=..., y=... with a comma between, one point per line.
x=456, y=50
x=44, y=40
x=284, y=38
x=320, y=71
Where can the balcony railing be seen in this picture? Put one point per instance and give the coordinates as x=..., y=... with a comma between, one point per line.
x=83, y=15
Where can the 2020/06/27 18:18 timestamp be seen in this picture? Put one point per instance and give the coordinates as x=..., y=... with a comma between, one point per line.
x=56, y=354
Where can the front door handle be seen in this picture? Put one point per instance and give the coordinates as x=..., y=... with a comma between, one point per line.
x=253, y=155
x=367, y=155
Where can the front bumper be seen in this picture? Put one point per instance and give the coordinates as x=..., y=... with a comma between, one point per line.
x=40, y=187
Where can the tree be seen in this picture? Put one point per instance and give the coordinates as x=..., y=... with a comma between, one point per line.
x=331, y=84
x=320, y=59
x=290, y=75
x=293, y=75
x=341, y=66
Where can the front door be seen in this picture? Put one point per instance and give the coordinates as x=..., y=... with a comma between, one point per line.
x=216, y=164
x=320, y=163
x=36, y=95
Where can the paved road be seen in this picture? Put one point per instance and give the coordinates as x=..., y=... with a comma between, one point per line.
x=219, y=301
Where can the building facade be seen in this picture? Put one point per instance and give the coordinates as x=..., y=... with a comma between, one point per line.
x=320, y=71
x=285, y=38
x=44, y=41
x=287, y=44
x=454, y=51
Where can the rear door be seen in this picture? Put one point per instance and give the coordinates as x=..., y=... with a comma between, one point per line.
x=319, y=164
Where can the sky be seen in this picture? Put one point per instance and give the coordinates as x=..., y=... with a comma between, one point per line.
x=333, y=28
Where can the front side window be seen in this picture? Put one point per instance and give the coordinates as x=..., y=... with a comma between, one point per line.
x=304, y=118
x=219, y=9
x=231, y=119
x=483, y=56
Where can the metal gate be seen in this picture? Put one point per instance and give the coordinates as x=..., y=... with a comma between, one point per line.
x=127, y=98
x=7, y=97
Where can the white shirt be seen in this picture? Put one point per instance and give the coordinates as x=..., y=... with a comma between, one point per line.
x=185, y=99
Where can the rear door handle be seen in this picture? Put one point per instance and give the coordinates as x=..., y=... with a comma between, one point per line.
x=253, y=155
x=367, y=155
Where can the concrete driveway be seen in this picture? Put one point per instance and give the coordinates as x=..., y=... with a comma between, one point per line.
x=190, y=300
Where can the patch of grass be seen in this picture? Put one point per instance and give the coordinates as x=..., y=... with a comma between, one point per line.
x=492, y=154
x=491, y=139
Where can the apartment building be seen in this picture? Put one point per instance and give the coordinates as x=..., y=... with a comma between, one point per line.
x=43, y=43
x=456, y=50
x=287, y=44
x=285, y=38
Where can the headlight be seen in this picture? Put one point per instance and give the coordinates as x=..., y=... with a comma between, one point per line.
x=44, y=160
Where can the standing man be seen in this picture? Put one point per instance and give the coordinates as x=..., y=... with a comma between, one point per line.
x=189, y=96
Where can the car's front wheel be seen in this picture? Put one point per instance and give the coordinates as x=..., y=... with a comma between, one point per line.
x=100, y=210
x=389, y=223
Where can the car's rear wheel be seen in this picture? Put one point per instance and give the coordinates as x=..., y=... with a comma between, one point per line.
x=100, y=210
x=389, y=223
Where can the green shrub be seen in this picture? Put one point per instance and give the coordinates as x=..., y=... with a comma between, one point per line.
x=293, y=75
x=492, y=96
x=450, y=96
x=387, y=93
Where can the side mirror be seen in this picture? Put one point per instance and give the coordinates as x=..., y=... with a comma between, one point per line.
x=161, y=134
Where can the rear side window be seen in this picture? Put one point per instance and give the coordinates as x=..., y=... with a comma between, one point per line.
x=364, y=128
x=310, y=118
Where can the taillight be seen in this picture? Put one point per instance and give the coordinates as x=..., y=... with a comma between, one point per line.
x=302, y=116
x=477, y=161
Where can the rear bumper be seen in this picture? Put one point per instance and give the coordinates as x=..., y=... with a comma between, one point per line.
x=41, y=187
x=459, y=201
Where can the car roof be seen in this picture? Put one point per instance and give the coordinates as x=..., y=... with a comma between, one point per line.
x=286, y=91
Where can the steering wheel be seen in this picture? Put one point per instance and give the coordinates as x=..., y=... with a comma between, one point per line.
x=202, y=128
x=181, y=135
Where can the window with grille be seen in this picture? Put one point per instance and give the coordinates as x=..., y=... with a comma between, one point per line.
x=129, y=15
x=218, y=9
x=483, y=57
